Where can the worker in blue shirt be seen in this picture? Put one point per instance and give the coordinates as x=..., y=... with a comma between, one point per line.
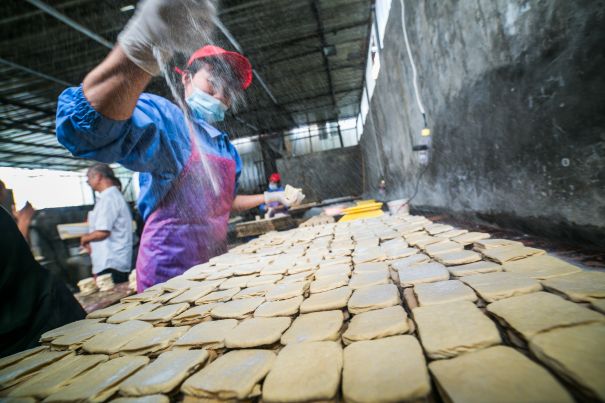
x=189, y=168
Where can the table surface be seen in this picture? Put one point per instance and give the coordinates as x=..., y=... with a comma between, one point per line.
x=102, y=299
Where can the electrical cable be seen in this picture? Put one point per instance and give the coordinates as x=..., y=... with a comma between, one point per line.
x=414, y=72
x=417, y=183
x=416, y=93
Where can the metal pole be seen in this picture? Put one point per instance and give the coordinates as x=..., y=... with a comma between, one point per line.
x=65, y=19
x=309, y=131
x=326, y=60
x=34, y=72
x=310, y=140
x=376, y=27
x=342, y=145
x=379, y=149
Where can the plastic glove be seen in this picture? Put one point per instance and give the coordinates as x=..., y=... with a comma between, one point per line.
x=289, y=197
x=168, y=26
x=276, y=197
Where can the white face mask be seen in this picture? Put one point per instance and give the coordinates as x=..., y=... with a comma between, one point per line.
x=205, y=106
x=273, y=186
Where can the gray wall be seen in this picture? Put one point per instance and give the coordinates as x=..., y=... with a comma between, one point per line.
x=515, y=96
x=325, y=174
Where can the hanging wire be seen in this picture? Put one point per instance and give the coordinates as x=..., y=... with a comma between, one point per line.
x=414, y=72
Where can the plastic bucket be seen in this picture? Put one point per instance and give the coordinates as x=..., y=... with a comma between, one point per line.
x=399, y=206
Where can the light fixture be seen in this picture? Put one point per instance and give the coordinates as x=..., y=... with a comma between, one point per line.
x=127, y=8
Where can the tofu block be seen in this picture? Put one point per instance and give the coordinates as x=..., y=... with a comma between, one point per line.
x=377, y=324
x=443, y=292
x=373, y=297
x=510, y=253
x=209, y=335
x=165, y=373
x=497, y=374
x=305, y=372
x=458, y=257
x=233, y=376
x=287, y=307
x=55, y=376
x=98, y=384
x=326, y=301
x=328, y=283
x=365, y=279
x=448, y=330
x=480, y=267
x=280, y=292
x=316, y=326
x=153, y=340
x=256, y=332
x=577, y=355
x=423, y=273
x=470, y=237
x=392, y=369
x=584, y=286
x=542, y=267
x=111, y=341
x=236, y=309
x=499, y=285
x=538, y=312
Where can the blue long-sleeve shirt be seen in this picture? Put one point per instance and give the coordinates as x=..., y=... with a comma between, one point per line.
x=153, y=141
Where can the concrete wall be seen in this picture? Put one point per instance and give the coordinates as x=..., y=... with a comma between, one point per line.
x=324, y=175
x=515, y=96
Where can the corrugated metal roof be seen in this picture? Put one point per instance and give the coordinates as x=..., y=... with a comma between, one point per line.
x=284, y=39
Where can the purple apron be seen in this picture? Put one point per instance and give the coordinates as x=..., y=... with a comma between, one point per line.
x=190, y=224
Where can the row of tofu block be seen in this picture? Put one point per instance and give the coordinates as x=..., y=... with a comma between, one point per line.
x=270, y=318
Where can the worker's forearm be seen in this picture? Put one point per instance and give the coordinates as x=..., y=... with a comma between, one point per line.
x=246, y=202
x=114, y=86
x=95, y=236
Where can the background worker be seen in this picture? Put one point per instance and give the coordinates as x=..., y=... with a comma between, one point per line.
x=189, y=168
x=109, y=241
x=23, y=217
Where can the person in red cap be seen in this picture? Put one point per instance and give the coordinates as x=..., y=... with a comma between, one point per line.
x=188, y=168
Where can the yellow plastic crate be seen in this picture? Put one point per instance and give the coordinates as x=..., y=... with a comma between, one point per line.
x=359, y=216
x=363, y=209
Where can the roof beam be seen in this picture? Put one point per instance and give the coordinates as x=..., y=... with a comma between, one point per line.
x=303, y=38
x=13, y=102
x=30, y=144
x=365, y=61
x=262, y=82
x=42, y=164
x=66, y=20
x=278, y=131
x=313, y=50
x=311, y=98
x=326, y=60
x=245, y=6
x=34, y=72
x=37, y=154
x=30, y=14
x=302, y=110
x=13, y=124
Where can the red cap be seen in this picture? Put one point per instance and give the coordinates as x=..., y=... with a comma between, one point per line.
x=240, y=64
x=275, y=178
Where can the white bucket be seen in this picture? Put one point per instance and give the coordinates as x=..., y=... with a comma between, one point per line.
x=399, y=206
